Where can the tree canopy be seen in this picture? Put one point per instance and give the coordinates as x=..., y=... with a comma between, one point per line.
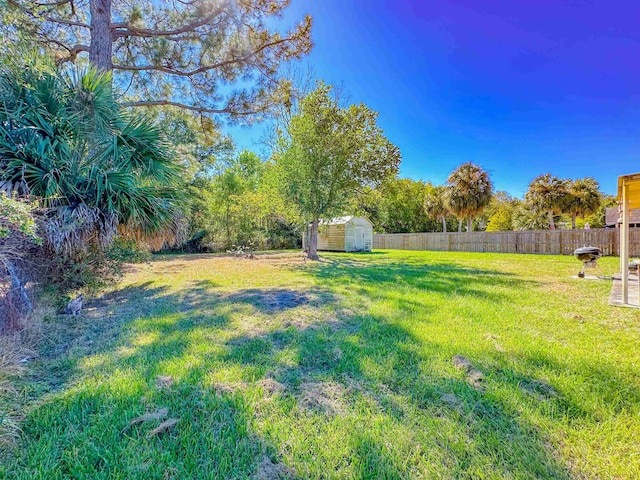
x=470, y=191
x=583, y=199
x=209, y=56
x=435, y=205
x=548, y=194
x=328, y=153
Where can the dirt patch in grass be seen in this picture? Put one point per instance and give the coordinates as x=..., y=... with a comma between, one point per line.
x=271, y=386
x=310, y=320
x=164, y=382
x=161, y=414
x=474, y=376
x=268, y=470
x=326, y=397
x=229, y=388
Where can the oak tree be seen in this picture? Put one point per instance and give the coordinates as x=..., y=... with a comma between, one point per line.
x=328, y=154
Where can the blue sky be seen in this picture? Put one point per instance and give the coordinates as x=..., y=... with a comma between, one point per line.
x=519, y=87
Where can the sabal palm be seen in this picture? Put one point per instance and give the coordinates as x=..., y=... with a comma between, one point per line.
x=469, y=192
x=435, y=205
x=583, y=198
x=548, y=194
x=65, y=140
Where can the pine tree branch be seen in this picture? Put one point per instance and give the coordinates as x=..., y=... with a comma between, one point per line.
x=64, y=21
x=76, y=49
x=202, y=69
x=35, y=13
x=53, y=4
x=193, y=108
x=73, y=51
x=126, y=30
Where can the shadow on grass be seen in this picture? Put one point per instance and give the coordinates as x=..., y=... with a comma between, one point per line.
x=397, y=404
x=471, y=429
x=394, y=276
x=187, y=257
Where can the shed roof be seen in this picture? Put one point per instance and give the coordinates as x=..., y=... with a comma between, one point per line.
x=341, y=220
x=336, y=220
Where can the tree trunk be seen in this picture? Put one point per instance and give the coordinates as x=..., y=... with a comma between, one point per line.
x=469, y=224
x=100, y=48
x=312, y=253
x=444, y=224
x=459, y=225
x=227, y=226
x=552, y=225
x=573, y=221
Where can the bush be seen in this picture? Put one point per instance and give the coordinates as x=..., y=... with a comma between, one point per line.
x=92, y=268
x=126, y=250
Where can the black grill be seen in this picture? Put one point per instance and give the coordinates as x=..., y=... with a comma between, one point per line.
x=588, y=256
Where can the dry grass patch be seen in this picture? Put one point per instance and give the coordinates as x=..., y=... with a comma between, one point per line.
x=229, y=388
x=325, y=397
x=268, y=470
x=271, y=386
x=164, y=382
x=18, y=349
x=11, y=368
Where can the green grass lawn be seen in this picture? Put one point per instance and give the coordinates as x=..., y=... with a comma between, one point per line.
x=277, y=368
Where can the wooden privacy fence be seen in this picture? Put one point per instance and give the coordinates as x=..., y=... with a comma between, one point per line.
x=553, y=242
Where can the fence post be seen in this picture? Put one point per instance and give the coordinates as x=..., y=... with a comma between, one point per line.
x=561, y=243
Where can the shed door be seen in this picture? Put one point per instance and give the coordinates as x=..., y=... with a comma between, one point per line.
x=359, y=238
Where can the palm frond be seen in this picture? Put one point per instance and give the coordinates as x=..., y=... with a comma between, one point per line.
x=65, y=139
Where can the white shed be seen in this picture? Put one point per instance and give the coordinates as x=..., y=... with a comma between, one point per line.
x=343, y=234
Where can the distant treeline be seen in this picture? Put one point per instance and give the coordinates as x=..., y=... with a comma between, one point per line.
x=404, y=205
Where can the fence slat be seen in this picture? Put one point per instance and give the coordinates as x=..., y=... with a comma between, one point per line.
x=555, y=242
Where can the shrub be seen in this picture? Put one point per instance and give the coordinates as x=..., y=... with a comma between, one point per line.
x=127, y=250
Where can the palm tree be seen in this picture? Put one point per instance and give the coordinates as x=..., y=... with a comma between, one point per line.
x=583, y=198
x=96, y=169
x=548, y=194
x=435, y=205
x=470, y=191
x=524, y=218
